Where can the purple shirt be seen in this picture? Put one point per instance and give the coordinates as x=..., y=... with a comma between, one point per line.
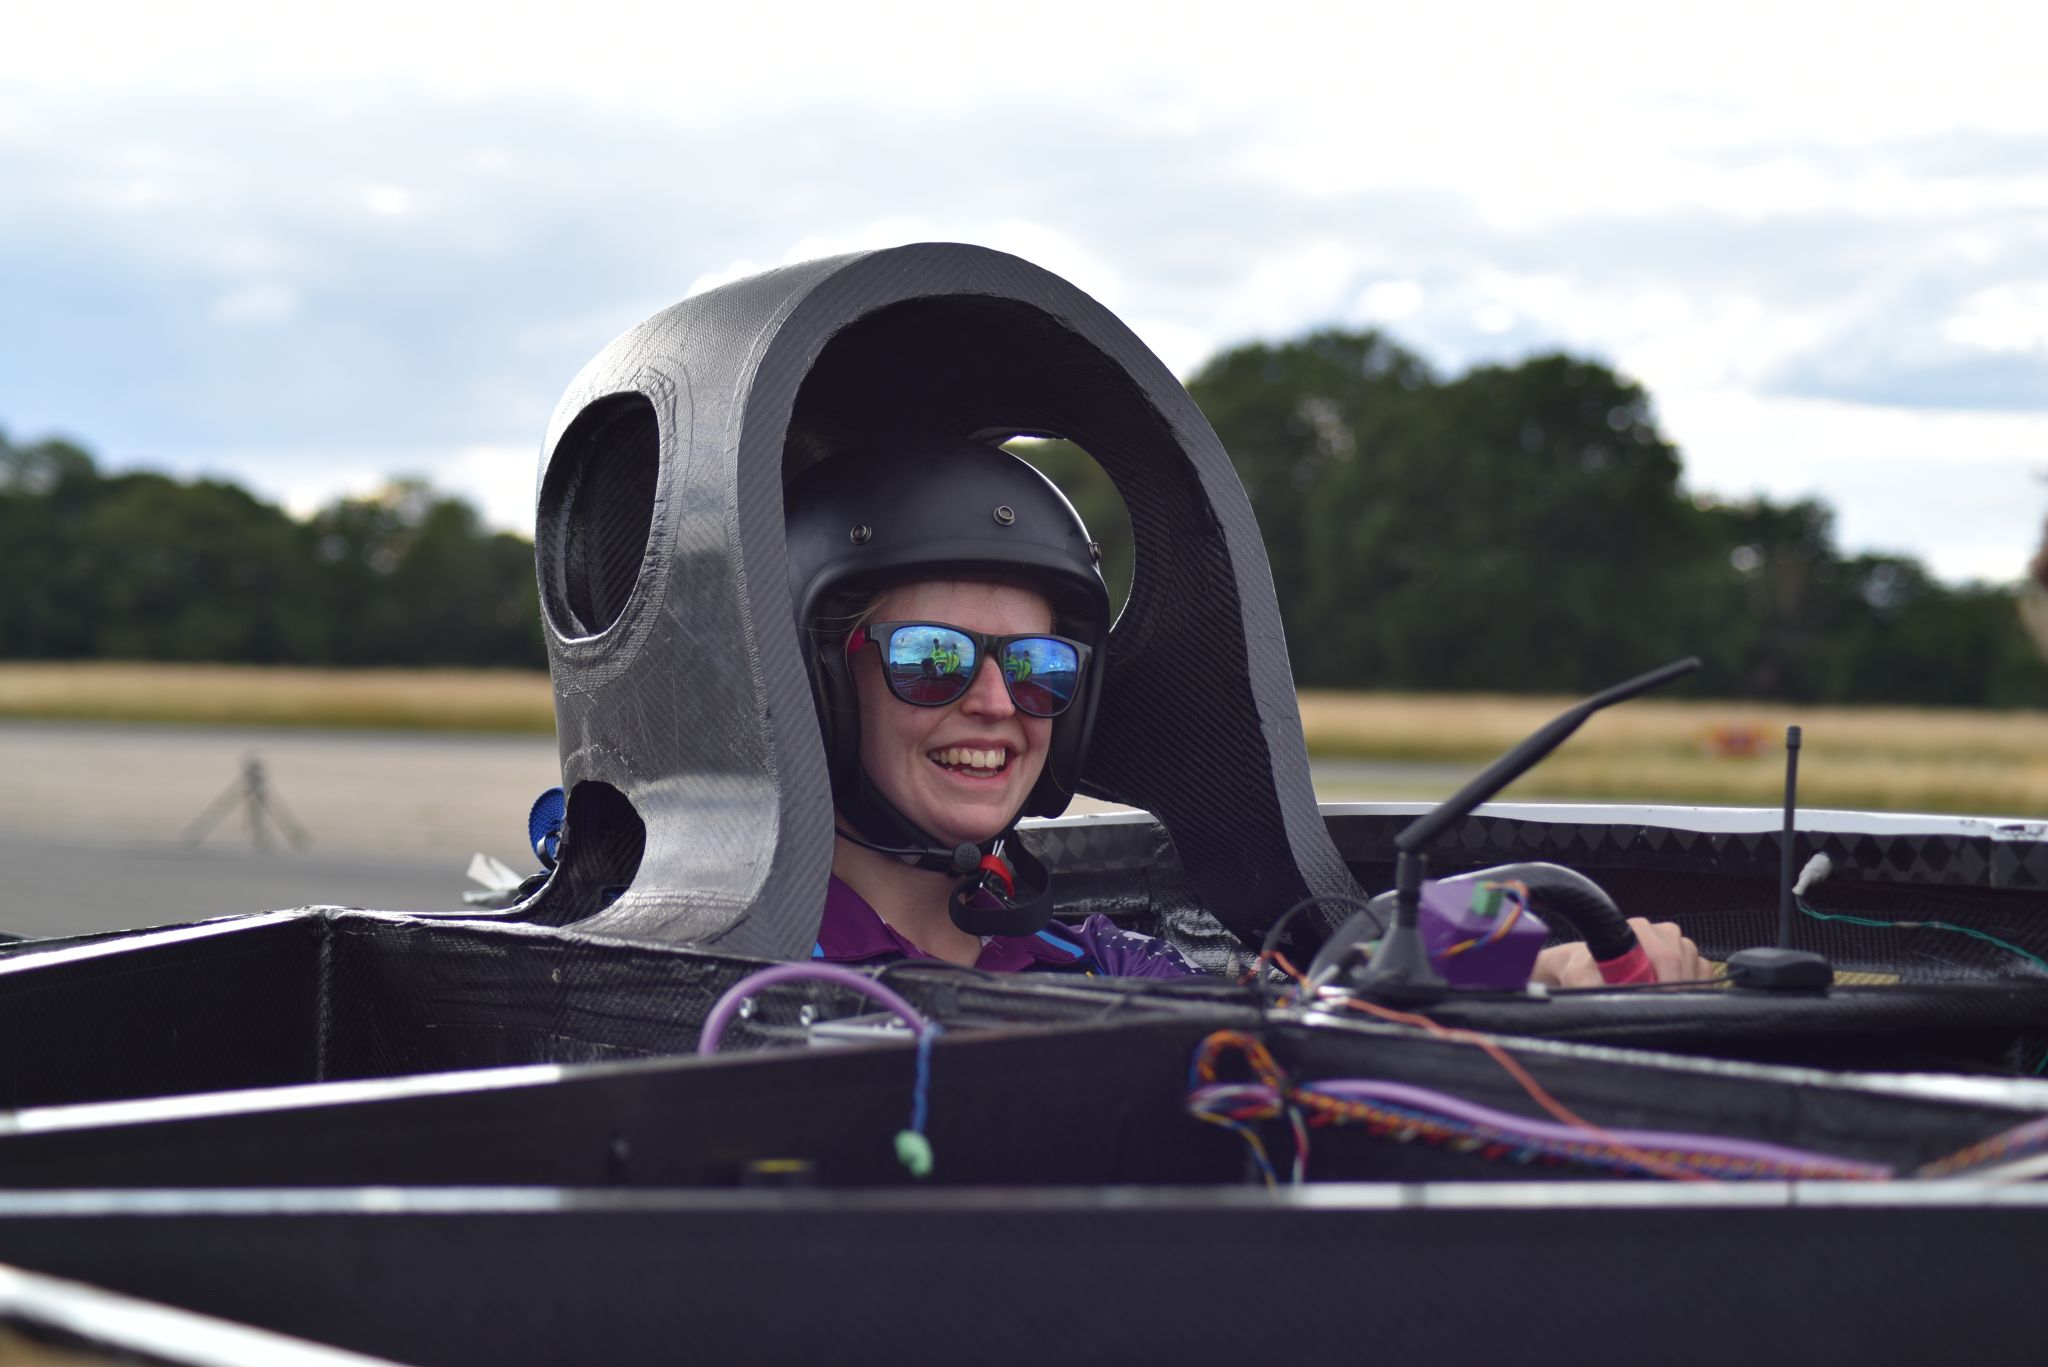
x=851, y=932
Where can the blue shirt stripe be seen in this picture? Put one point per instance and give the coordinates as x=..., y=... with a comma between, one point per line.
x=1072, y=949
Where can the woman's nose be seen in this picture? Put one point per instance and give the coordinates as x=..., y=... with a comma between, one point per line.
x=988, y=695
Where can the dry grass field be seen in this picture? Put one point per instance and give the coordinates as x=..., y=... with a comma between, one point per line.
x=1893, y=759
x=1885, y=758
x=250, y=695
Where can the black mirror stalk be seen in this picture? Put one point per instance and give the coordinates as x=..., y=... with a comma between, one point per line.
x=1400, y=970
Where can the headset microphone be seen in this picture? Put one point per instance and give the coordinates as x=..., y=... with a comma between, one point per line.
x=1012, y=895
x=964, y=858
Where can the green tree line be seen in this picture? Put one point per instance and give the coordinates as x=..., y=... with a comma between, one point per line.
x=140, y=566
x=1511, y=529
x=1524, y=528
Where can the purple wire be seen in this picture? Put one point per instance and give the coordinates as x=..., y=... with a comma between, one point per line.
x=1423, y=1098
x=727, y=1006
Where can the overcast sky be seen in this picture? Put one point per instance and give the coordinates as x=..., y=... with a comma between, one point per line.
x=311, y=254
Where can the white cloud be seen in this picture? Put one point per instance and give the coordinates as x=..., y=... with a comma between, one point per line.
x=2003, y=318
x=499, y=480
x=387, y=201
x=1180, y=347
x=1389, y=301
x=1282, y=289
x=256, y=305
x=1493, y=320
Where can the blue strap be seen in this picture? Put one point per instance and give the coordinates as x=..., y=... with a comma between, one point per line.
x=544, y=825
x=1053, y=939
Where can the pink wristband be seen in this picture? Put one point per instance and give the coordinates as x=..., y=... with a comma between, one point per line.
x=1632, y=967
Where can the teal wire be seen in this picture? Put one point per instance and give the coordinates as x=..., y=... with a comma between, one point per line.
x=920, y=1104
x=1936, y=925
x=1933, y=925
x=2039, y=1068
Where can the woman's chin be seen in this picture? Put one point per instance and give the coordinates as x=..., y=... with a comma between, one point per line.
x=959, y=810
x=954, y=833
x=971, y=826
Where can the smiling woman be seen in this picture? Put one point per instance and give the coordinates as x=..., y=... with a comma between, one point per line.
x=952, y=606
x=962, y=756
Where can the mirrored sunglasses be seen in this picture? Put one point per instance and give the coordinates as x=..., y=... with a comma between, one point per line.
x=931, y=664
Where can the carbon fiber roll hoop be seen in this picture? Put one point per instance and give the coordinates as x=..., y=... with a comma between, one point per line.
x=678, y=680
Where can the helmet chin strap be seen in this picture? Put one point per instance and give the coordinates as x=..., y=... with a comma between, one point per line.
x=1003, y=888
x=880, y=827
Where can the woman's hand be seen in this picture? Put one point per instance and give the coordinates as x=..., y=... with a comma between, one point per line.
x=1675, y=958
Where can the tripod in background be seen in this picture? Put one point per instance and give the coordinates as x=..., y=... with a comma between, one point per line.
x=252, y=792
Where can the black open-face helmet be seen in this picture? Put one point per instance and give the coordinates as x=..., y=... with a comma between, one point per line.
x=930, y=507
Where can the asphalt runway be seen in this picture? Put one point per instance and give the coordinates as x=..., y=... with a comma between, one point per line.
x=100, y=825
x=97, y=822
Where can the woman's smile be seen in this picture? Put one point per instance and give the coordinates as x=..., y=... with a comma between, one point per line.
x=971, y=761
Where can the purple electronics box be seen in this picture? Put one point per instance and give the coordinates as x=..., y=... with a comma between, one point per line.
x=1470, y=914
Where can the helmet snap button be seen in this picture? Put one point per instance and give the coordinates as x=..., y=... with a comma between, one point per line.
x=860, y=534
x=1004, y=517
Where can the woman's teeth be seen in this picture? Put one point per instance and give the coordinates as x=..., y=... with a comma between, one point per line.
x=980, y=763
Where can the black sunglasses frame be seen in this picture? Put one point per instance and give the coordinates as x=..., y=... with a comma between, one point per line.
x=989, y=647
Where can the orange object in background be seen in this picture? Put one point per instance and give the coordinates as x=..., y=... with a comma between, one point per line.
x=1736, y=740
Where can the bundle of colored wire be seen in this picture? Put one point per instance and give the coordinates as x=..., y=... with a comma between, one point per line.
x=1403, y=1124
x=1406, y=1111
x=2003, y=1174
x=1486, y=1044
x=1238, y=1106
x=1222, y=1108
x=1434, y=1117
x=1257, y=1057
x=1716, y=1156
x=2003, y=1147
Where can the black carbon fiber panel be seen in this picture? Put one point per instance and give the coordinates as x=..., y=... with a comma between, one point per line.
x=1099, y=1101
x=163, y=1012
x=449, y=1279
x=1919, y=859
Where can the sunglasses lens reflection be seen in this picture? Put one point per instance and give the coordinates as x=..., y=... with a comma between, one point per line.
x=1042, y=673
x=929, y=665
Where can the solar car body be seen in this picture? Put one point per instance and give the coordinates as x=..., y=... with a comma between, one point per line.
x=487, y=1137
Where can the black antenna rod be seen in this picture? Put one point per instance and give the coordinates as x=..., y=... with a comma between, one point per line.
x=1788, y=843
x=1518, y=761
x=1783, y=969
